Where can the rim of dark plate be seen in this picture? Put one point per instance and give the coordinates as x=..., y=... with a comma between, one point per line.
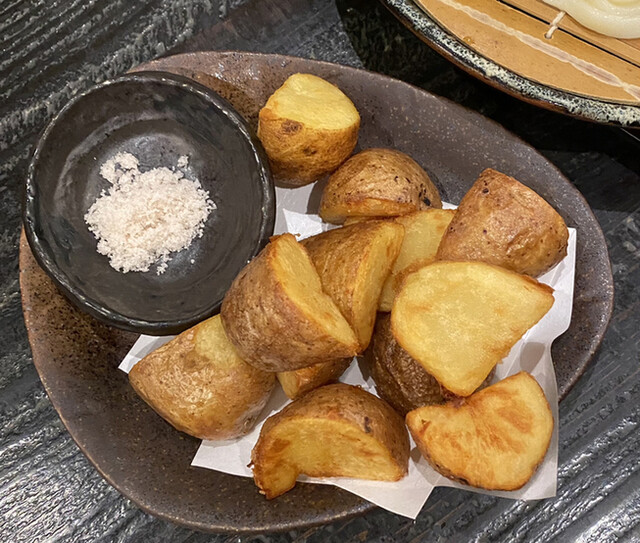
x=48, y=264
x=445, y=43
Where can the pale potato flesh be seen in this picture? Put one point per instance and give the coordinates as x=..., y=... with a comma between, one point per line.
x=353, y=263
x=423, y=231
x=495, y=439
x=295, y=383
x=324, y=448
x=313, y=101
x=277, y=316
x=459, y=319
x=302, y=284
x=333, y=431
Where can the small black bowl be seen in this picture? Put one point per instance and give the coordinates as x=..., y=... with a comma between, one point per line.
x=157, y=117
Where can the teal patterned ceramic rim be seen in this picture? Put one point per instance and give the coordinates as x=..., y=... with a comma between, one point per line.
x=459, y=53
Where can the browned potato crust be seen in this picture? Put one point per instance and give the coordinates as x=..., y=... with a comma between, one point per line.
x=333, y=431
x=199, y=384
x=377, y=183
x=495, y=439
x=353, y=263
x=503, y=222
x=400, y=380
x=277, y=316
x=308, y=127
x=296, y=383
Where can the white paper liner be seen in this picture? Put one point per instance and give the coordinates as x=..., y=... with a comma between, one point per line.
x=406, y=497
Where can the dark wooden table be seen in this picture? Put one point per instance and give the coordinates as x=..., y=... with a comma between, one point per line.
x=50, y=50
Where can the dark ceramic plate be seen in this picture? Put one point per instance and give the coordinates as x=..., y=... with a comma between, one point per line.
x=146, y=459
x=157, y=117
x=484, y=68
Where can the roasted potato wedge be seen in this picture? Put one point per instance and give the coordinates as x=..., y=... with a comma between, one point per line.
x=423, y=231
x=199, y=384
x=296, y=383
x=503, y=222
x=377, y=183
x=495, y=439
x=353, y=263
x=308, y=127
x=277, y=316
x=334, y=431
x=459, y=319
x=400, y=379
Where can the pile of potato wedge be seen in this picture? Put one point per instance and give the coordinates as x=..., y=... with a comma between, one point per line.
x=432, y=300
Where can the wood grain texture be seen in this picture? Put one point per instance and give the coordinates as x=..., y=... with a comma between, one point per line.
x=50, y=492
x=516, y=40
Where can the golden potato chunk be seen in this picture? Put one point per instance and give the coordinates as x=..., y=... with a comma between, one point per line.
x=296, y=383
x=377, y=183
x=423, y=231
x=354, y=262
x=308, y=127
x=459, y=319
x=277, y=316
x=495, y=439
x=199, y=384
x=334, y=431
x=503, y=222
x=400, y=379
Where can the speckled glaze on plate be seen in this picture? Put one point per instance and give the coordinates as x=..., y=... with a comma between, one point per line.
x=443, y=41
x=144, y=457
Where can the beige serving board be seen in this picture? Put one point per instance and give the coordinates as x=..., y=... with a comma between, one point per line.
x=574, y=59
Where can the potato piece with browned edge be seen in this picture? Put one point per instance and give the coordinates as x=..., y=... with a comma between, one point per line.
x=333, y=431
x=401, y=380
x=308, y=127
x=377, y=183
x=495, y=439
x=296, y=383
x=423, y=231
x=503, y=222
x=353, y=263
x=459, y=319
x=199, y=384
x=277, y=316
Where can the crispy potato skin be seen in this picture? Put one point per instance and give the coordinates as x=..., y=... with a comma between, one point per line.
x=299, y=152
x=377, y=183
x=267, y=327
x=207, y=392
x=400, y=379
x=343, y=258
x=297, y=383
x=494, y=439
x=459, y=319
x=354, y=409
x=500, y=221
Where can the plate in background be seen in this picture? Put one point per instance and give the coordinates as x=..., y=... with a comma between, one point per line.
x=149, y=461
x=577, y=72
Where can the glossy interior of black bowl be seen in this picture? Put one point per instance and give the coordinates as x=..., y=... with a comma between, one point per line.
x=157, y=117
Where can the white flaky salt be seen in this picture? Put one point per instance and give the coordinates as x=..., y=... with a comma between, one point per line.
x=144, y=217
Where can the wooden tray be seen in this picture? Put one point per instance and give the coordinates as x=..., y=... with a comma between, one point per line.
x=576, y=71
